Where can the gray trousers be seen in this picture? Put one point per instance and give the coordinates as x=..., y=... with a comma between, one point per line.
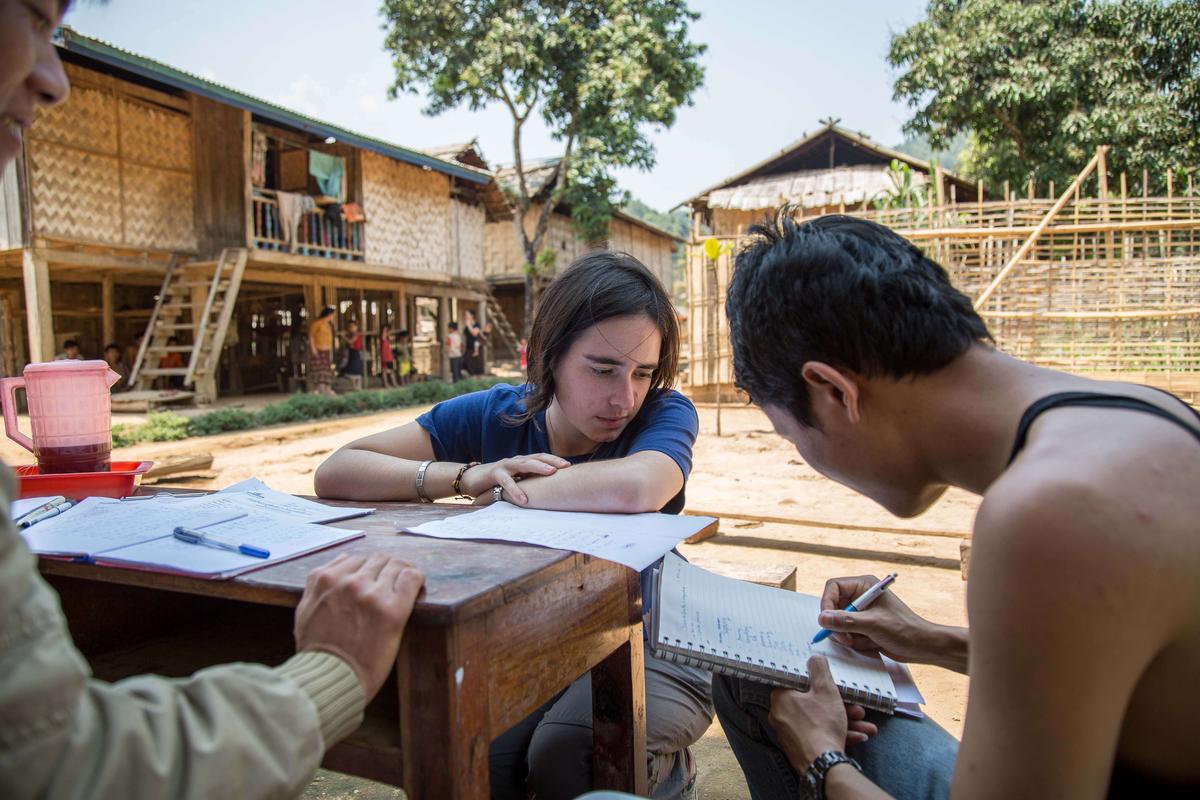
x=909, y=759
x=548, y=755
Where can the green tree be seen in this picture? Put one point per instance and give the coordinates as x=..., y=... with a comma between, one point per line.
x=1039, y=84
x=597, y=72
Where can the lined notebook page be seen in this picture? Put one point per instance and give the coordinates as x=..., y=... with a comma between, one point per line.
x=757, y=630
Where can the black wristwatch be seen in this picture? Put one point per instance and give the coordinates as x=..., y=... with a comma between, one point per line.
x=814, y=776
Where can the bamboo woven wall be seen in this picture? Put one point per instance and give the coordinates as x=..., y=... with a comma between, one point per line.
x=467, y=223
x=110, y=168
x=1111, y=286
x=408, y=209
x=503, y=254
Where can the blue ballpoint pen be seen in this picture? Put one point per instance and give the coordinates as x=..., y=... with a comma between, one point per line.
x=860, y=603
x=192, y=536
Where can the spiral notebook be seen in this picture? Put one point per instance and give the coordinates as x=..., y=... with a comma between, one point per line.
x=756, y=632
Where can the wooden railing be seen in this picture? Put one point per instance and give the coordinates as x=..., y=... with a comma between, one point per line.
x=318, y=235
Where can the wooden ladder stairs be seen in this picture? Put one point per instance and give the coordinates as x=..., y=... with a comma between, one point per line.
x=495, y=315
x=196, y=302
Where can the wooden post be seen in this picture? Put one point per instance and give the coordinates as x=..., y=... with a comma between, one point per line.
x=108, y=320
x=38, y=314
x=443, y=314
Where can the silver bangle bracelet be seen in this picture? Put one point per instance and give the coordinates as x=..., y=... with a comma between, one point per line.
x=424, y=498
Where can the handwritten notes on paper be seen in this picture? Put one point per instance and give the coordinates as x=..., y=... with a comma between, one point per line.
x=635, y=540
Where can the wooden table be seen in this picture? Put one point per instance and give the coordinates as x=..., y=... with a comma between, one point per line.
x=499, y=630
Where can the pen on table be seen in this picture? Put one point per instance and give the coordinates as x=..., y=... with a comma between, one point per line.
x=36, y=516
x=860, y=603
x=193, y=536
x=49, y=504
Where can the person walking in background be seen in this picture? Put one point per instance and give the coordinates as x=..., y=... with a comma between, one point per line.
x=404, y=356
x=454, y=351
x=320, y=353
x=354, y=360
x=472, y=344
x=387, y=358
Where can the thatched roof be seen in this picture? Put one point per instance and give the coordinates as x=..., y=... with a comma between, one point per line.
x=836, y=158
x=539, y=173
x=818, y=188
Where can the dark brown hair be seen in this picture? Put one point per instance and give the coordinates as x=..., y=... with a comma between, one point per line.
x=599, y=285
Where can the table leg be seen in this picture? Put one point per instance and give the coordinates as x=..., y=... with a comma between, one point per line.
x=619, y=718
x=444, y=714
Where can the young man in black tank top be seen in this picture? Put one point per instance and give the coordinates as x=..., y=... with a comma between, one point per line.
x=1084, y=596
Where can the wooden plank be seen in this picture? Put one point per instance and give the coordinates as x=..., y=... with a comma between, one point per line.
x=841, y=526
x=38, y=314
x=178, y=464
x=779, y=576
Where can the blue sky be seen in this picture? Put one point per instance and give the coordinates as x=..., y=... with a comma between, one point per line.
x=773, y=70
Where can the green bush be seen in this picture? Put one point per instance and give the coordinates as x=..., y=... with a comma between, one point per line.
x=220, y=421
x=160, y=426
x=165, y=426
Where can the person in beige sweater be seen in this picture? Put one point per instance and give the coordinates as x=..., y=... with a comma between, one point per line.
x=236, y=730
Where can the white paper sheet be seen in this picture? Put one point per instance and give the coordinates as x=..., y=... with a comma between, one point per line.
x=97, y=524
x=283, y=539
x=284, y=506
x=635, y=540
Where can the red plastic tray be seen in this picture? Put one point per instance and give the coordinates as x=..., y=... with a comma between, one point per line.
x=121, y=480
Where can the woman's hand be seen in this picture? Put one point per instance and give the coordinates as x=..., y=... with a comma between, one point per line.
x=479, y=481
x=887, y=626
x=813, y=722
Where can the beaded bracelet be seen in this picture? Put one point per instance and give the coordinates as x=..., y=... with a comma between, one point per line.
x=456, y=486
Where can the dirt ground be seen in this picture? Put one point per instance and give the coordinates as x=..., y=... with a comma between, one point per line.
x=746, y=471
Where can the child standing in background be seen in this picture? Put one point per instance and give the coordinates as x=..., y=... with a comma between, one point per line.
x=387, y=357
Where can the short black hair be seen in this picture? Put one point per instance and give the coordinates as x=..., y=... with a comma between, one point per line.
x=845, y=291
x=69, y=343
x=112, y=347
x=453, y=326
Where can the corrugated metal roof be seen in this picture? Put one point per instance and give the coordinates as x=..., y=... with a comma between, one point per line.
x=810, y=188
x=73, y=42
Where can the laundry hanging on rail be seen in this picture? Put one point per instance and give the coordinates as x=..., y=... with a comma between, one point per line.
x=328, y=171
x=291, y=206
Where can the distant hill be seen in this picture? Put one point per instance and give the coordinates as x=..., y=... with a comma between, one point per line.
x=918, y=147
x=676, y=223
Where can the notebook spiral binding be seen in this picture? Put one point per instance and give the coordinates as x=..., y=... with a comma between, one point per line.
x=735, y=665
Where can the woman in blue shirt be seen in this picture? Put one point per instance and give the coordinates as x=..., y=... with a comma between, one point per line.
x=596, y=428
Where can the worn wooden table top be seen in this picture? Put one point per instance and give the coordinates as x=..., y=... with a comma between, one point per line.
x=462, y=578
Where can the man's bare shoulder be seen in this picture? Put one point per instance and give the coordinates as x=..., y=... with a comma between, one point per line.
x=1116, y=485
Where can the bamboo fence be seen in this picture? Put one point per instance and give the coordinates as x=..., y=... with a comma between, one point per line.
x=1097, y=280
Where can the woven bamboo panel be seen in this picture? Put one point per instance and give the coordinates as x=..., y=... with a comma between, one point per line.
x=88, y=120
x=503, y=254
x=158, y=208
x=467, y=222
x=76, y=194
x=1111, y=286
x=154, y=136
x=408, y=213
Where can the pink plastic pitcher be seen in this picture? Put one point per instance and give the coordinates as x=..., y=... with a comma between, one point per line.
x=70, y=413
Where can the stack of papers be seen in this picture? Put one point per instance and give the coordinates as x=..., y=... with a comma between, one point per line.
x=139, y=532
x=635, y=540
